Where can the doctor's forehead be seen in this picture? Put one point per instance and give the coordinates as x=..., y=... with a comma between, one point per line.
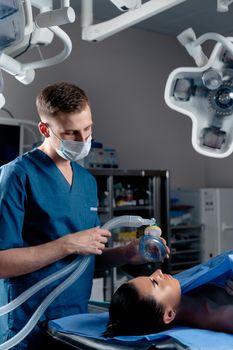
x=73, y=120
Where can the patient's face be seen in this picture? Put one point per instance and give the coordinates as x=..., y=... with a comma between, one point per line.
x=164, y=288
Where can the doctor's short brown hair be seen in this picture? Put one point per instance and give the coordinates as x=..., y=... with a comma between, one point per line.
x=59, y=98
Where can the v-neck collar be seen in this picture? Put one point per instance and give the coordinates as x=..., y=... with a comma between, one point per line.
x=62, y=177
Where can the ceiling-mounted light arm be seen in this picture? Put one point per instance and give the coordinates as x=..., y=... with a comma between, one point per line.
x=216, y=37
x=126, y=5
x=86, y=13
x=59, y=57
x=29, y=26
x=17, y=69
x=188, y=39
x=24, y=72
x=49, y=17
x=223, y=5
x=58, y=17
x=193, y=45
x=65, y=3
x=43, y=5
x=103, y=30
x=2, y=98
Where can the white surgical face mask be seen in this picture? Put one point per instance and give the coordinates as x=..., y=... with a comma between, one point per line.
x=73, y=150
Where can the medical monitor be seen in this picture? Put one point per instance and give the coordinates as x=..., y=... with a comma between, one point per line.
x=9, y=143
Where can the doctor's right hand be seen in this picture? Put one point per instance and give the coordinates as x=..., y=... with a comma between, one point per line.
x=91, y=241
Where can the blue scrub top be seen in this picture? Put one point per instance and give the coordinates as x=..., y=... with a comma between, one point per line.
x=38, y=205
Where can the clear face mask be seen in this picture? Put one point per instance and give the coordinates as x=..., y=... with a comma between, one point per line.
x=73, y=150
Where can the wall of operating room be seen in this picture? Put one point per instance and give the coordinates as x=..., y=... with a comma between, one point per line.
x=125, y=77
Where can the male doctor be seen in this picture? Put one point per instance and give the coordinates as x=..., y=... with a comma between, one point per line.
x=48, y=211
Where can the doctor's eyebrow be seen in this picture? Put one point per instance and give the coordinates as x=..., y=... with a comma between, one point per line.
x=78, y=131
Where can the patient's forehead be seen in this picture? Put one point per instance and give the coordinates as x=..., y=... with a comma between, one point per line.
x=143, y=285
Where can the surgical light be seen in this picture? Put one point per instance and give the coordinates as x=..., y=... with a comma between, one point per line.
x=205, y=94
x=212, y=79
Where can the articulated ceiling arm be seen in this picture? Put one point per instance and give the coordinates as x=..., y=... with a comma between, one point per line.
x=97, y=32
x=223, y=5
x=193, y=45
x=55, y=59
x=46, y=22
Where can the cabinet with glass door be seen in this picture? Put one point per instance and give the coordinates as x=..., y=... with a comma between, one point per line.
x=132, y=192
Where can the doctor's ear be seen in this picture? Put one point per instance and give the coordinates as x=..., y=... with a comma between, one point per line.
x=43, y=128
x=169, y=315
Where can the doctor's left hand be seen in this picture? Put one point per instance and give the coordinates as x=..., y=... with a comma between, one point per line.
x=133, y=254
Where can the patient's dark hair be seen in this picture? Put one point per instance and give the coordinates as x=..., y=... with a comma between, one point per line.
x=130, y=314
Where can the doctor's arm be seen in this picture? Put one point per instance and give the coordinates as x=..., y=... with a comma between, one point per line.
x=127, y=254
x=19, y=261
x=119, y=256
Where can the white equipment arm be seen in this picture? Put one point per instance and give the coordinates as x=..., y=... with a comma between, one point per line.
x=103, y=30
x=24, y=72
x=193, y=45
x=36, y=32
x=223, y=5
x=56, y=59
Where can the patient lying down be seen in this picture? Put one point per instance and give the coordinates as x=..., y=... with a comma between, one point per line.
x=152, y=304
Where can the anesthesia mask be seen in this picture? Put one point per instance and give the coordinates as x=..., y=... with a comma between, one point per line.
x=151, y=247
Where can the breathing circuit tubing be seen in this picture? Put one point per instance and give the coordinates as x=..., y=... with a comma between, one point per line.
x=76, y=268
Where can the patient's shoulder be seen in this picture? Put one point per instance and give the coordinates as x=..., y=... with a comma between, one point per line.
x=202, y=312
x=213, y=293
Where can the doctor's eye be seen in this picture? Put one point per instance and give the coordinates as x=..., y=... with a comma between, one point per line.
x=70, y=132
